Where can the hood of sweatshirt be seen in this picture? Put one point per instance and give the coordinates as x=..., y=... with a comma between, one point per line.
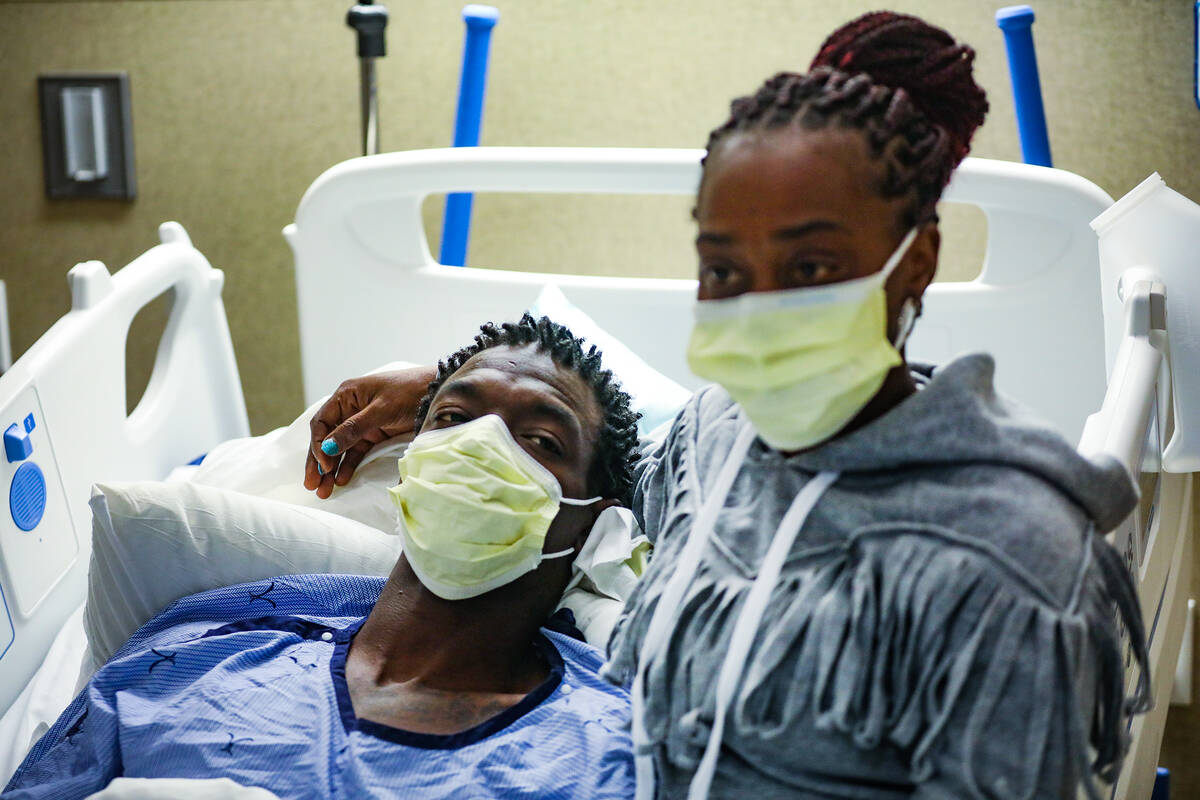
x=957, y=417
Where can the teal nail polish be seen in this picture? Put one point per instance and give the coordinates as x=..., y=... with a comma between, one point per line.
x=329, y=447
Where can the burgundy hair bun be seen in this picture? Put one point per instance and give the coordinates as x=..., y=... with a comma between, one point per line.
x=904, y=52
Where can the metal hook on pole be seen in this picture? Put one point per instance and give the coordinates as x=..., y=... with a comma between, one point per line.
x=369, y=20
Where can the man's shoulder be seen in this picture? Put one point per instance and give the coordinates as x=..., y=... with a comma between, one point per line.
x=582, y=664
x=331, y=601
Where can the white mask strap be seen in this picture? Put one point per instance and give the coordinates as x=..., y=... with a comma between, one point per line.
x=663, y=618
x=894, y=259
x=904, y=324
x=575, y=501
x=746, y=627
x=571, y=501
x=890, y=265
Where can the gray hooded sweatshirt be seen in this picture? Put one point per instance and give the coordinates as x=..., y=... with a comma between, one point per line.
x=945, y=626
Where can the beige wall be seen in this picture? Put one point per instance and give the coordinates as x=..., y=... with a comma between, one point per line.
x=239, y=104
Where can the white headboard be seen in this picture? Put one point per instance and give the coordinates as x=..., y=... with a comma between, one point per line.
x=370, y=291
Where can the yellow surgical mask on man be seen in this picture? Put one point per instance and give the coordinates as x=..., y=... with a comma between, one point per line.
x=801, y=363
x=474, y=508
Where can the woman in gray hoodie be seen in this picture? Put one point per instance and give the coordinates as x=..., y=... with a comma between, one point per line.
x=871, y=579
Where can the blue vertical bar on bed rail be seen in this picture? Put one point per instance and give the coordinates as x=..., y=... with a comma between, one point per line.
x=1017, y=24
x=456, y=225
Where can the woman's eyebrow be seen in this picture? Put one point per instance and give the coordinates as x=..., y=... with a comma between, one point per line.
x=789, y=232
x=806, y=228
x=714, y=238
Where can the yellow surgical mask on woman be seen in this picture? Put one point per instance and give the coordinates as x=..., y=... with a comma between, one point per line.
x=801, y=363
x=474, y=508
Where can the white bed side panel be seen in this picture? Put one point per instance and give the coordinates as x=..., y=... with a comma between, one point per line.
x=365, y=275
x=70, y=387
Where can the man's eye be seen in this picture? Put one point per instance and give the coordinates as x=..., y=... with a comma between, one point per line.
x=451, y=417
x=545, y=443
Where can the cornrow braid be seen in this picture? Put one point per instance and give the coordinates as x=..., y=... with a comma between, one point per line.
x=904, y=52
x=904, y=83
x=611, y=473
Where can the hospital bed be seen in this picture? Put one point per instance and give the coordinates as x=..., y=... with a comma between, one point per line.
x=362, y=259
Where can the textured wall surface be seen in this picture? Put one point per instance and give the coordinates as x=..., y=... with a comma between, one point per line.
x=239, y=104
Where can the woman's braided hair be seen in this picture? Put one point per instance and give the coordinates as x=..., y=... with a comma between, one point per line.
x=611, y=473
x=906, y=84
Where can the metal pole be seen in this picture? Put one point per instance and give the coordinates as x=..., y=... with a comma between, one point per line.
x=370, y=107
x=369, y=20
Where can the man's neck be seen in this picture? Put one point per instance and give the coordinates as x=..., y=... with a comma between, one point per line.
x=482, y=644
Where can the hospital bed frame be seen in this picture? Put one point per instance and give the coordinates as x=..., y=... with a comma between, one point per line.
x=362, y=258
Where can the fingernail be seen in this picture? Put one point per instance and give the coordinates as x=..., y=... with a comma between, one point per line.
x=319, y=470
x=329, y=447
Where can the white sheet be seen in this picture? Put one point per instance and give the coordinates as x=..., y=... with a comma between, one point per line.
x=180, y=789
x=44, y=698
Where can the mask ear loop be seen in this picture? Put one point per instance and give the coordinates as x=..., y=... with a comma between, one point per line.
x=908, y=311
x=570, y=501
x=905, y=322
x=578, y=501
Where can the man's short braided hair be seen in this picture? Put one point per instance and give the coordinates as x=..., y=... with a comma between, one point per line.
x=611, y=473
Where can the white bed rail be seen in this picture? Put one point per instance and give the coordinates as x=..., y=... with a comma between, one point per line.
x=1132, y=426
x=365, y=274
x=64, y=403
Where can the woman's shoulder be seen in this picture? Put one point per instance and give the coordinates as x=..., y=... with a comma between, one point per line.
x=1026, y=526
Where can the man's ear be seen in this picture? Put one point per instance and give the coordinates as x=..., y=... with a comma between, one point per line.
x=596, y=510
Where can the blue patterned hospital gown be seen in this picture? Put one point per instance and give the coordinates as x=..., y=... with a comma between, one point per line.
x=248, y=682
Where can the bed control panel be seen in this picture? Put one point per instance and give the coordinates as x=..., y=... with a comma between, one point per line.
x=37, y=539
x=17, y=446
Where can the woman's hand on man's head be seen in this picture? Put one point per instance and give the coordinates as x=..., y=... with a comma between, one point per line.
x=362, y=413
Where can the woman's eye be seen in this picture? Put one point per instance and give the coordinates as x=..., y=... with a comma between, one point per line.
x=450, y=417
x=815, y=271
x=718, y=274
x=721, y=279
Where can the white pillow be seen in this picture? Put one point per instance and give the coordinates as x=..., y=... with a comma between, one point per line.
x=153, y=543
x=655, y=396
x=272, y=466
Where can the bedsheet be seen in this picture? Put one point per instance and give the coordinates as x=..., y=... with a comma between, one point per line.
x=52, y=688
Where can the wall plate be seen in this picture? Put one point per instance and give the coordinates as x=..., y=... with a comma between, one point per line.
x=116, y=143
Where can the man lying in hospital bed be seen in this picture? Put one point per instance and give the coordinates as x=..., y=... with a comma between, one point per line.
x=439, y=679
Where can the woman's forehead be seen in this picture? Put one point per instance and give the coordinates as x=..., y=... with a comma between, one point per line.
x=791, y=171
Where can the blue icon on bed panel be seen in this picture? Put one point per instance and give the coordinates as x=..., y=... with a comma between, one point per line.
x=29, y=424
x=27, y=496
x=17, y=446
